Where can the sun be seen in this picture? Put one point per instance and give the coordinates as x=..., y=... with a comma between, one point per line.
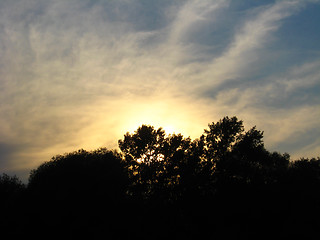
x=169, y=129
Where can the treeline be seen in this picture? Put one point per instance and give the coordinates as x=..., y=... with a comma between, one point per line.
x=224, y=185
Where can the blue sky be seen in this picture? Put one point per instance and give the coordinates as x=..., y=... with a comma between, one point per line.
x=79, y=74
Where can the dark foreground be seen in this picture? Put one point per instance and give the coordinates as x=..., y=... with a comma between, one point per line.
x=224, y=185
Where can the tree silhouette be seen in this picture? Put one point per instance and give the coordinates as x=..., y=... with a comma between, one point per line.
x=153, y=160
x=10, y=186
x=11, y=195
x=79, y=192
x=223, y=185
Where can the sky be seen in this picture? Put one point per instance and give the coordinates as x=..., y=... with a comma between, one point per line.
x=81, y=73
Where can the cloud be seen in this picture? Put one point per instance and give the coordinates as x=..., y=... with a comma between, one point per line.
x=285, y=105
x=192, y=16
x=79, y=74
x=250, y=41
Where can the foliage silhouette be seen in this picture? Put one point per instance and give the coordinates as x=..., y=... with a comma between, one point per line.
x=11, y=194
x=77, y=187
x=223, y=185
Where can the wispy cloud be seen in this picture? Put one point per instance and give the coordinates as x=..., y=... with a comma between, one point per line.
x=250, y=41
x=80, y=73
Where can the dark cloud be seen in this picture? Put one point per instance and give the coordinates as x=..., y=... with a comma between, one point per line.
x=6, y=150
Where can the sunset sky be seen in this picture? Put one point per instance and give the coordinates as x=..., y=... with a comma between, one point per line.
x=81, y=73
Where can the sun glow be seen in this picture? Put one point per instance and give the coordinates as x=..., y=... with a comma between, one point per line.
x=157, y=114
x=172, y=115
x=170, y=130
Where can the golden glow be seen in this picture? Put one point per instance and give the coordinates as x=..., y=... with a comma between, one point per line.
x=105, y=124
x=170, y=130
x=157, y=114
x=172, y=114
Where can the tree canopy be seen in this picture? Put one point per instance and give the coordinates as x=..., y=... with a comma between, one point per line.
x=225, y=184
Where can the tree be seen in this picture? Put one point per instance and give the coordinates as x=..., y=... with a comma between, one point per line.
x=11, y=188
x=144, y=145
x=221, y=136
x=153, y=159
x=73, y=188
x=10, y=185
x=235, y=155
x=12, y=192
x=79, y=169
x=225, y=182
